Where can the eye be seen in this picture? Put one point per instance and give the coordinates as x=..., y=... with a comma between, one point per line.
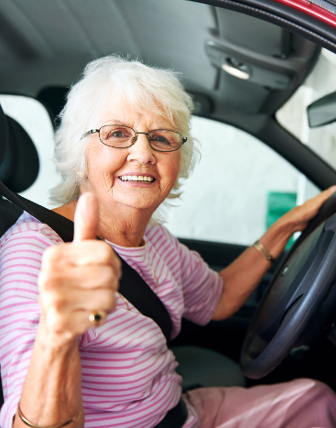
x=165, y=140
x=116, y=133
x=160, y=139
x=119, y=133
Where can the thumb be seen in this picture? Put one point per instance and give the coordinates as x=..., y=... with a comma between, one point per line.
x=86, y=217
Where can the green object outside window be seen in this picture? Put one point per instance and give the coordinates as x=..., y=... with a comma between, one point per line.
x=278, y=204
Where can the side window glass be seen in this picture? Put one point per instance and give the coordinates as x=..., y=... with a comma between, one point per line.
x=238, y=189
x=293, y=115
x=33, y=117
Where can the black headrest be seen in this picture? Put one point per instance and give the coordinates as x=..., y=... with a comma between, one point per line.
x=19, y=162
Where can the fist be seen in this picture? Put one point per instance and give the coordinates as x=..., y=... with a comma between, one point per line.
x=78, y=279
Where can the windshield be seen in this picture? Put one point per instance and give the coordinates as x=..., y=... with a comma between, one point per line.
x=293, y=116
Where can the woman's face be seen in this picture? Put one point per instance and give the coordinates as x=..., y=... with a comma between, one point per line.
x=108, y=168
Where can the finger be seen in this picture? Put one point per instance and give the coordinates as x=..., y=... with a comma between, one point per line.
x=72, y=323
x=86, y=217
x=94, y=253
x=78, y=279
x=84, y=253
x=323, y=196
x=330, y=191
x=74, y=300
x=318, y=200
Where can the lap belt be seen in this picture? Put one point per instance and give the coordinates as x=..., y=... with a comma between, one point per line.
x=131, y=286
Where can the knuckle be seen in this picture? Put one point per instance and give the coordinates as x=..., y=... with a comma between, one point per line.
x=59, y=302
x=108, y=276
x=49, y=279
x=119, y=271
x=51, y=301
x=116, y=284
x=52, y=254
x=118, y=261
x=104, y=253
x=110, y=302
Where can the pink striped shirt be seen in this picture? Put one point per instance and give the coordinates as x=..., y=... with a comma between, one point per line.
x=128, y=376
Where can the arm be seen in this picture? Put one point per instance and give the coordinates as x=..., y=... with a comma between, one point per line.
x=52, y=390
x=243, y=276
x=75, y=279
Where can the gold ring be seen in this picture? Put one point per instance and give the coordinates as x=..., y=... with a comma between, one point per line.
x=97, y=317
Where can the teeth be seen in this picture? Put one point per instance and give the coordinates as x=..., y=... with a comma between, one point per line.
x=136, y=178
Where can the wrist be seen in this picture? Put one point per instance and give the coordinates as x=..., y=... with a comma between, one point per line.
x=55, y=341
x=276, y=237
x=264, y=251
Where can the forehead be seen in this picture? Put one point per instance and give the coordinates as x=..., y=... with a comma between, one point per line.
x=116, y=108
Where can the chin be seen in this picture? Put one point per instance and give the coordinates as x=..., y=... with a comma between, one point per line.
x=139, y=205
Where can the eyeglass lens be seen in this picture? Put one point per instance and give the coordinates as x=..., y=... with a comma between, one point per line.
x=123, y=136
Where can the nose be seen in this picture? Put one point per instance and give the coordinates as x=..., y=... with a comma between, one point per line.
x=141, y=151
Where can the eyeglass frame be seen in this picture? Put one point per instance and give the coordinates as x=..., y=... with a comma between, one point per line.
x=134, y=139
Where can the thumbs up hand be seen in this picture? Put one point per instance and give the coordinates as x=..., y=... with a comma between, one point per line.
x=78, y=280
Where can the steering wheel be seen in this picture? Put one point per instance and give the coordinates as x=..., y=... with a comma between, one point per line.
x=300, y=299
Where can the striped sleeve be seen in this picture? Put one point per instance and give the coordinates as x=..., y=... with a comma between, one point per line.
x=201, y=285
x=20, y=255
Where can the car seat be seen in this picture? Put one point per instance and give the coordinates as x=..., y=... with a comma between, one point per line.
x=19, y=166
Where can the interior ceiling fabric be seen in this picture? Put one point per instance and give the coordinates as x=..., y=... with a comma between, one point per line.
x=62, y=36
x=49, y=43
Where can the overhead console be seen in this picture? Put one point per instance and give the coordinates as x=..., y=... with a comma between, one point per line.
x=258, y=64
x=248, y=67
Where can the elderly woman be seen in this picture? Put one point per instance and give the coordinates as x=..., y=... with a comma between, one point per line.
x=75, y=352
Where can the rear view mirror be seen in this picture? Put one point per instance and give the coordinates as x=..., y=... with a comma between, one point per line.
x=322, y=111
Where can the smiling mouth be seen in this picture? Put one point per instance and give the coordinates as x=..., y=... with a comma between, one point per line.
x=139, y=178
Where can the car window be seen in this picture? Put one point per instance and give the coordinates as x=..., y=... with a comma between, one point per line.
x=239, y=187
x=292, y=116
x=34, y=118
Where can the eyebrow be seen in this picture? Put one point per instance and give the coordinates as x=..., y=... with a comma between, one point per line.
x=116, y=121
x=119, y=122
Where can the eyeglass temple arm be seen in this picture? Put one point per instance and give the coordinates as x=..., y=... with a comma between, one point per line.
x=92, y=131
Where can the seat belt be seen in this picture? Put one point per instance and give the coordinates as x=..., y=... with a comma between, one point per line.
x=131, y=286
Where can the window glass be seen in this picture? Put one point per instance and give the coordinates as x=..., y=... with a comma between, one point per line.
x=34, y=118
x=293, y=116
x=238, y=189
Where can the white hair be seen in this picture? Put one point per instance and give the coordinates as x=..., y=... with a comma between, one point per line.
x=144, y=87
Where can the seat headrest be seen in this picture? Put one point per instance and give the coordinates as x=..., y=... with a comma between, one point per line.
x=19, y=162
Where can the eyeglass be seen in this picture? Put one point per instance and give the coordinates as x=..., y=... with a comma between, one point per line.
x=123, y=137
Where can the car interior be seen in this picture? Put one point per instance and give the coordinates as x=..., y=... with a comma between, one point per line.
x=252, y=82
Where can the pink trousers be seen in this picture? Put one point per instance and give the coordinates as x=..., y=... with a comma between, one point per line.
x=302, y=403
